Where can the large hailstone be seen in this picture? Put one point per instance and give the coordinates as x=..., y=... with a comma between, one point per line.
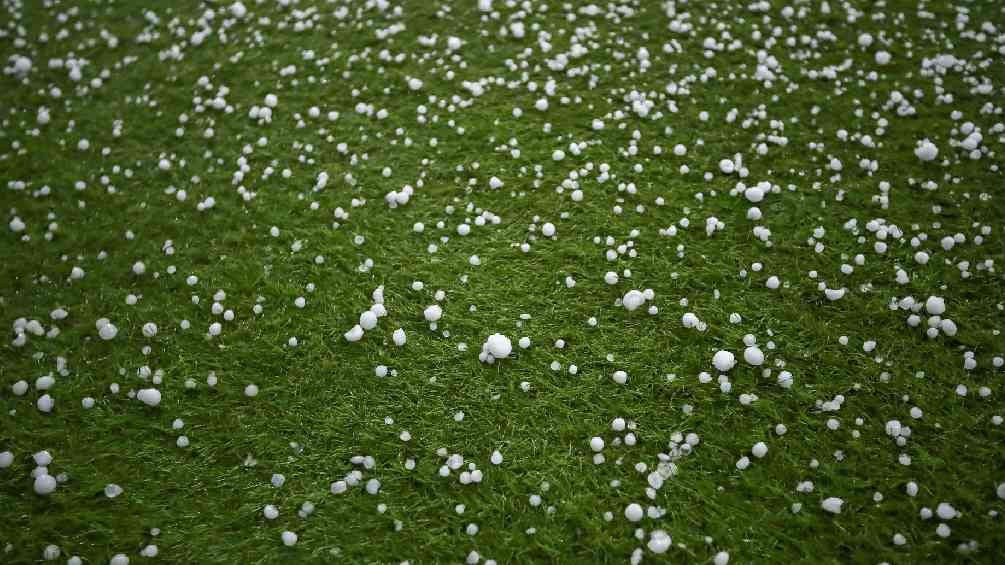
x=149, y=396
x=723, y=361
x=926, y=150
x=499, y=346
x=632, y=300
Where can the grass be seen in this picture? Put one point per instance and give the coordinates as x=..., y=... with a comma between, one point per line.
x=320, y=403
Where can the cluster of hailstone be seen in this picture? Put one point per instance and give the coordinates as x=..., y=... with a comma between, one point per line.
x=368, y=319
x=496, y=346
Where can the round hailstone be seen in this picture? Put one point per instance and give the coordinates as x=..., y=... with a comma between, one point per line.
x=634, y=512
x=45, y=403
x=659, y=541
x=721, y=558
x=632, y=300
x=753, y=356
x=723, y=361
x=149, y=329
x=497, y=458
x=44, y=484
x=6, y=459
x=597, y=444
x=112, y=490
x=548, y=229
x=42, y=458
x=119, y=559
x=433, y=313
x=270, y=512
x=620, y=377
x=251, y=391
x=759, y=450
x=149, y=396
x=935, y=305
x=289, y=538
x=499, y=346
x=832, y=505
x=108, y=331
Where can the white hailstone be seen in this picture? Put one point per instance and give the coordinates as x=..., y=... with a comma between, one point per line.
x=6, y=459
x=270, y=512
x=45, y=403
x=753, y=356
x=51, y=553
x=19, y=388
x=42, y=458
x=632, y=300
x=119, y=559
x=108, y=331
x=597, y=444
x=373, y=486
x=113, y=490
x=832, y=504
x=620, y=377
x=723, y=361
x=945, y=511
x=759, y=450
x=721, y=558
x=251, y=391
x=496, y=458
x=611, y=278
x=634, y=512
x=368, y=320
x=271, y=100
x=149, y=329
x=354, y=334
x=433, y=313
x=45, y=484
x=524, y=342
x=238, y=10
x=453, y=43
x=415, y=84
x=548, y=229
x=399, y=337
x=149, y=396
x=742, y=463
x=727, y=166
x=1000, y=491
x=659, y=542
x=149, y=551
x=935, y=305
x=499, y=346
x=289, y=538
x=833, y=294
x=772, y=282
x=926, y=150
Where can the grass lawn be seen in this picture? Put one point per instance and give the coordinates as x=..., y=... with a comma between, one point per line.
x=744, y=260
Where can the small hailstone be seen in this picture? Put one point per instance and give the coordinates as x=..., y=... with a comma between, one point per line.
x=119, y=559
x=251, y=391
x=289, y=538
x=113, y=490
x=399, y=337
x=620, y=377
x=497, y=458
x=6, y=459
x=926, y=150
x=723, y=361
x=634, y=512
x=721, y=558
x=278, y=480
x=832, y=505
x=759, y=450
x=149, y=396
x=182, y=442
x=548, y=229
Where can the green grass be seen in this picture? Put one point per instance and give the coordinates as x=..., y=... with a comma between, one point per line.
x=320, y=403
